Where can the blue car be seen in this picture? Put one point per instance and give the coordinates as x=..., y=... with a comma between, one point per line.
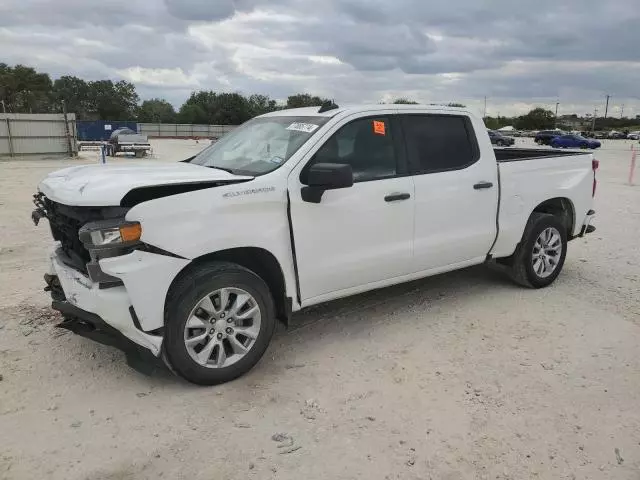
x=574, y=141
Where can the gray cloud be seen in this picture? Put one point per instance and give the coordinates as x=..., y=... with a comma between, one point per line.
x=354, y=50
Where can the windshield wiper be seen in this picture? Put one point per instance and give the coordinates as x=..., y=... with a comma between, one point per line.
x=228, y=170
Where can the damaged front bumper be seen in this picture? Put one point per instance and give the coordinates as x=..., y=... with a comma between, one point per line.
x=133, y=309
x=91, y=326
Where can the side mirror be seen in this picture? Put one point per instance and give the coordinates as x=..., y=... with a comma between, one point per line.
x=326, y=176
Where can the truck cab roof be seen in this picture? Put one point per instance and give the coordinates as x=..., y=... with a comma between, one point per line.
x=314, y=111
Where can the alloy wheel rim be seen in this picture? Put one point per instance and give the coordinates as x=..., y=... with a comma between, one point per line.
x=222, y=328
x=547, y=250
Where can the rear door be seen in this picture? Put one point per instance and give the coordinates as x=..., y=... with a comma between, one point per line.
x=456, y=190
x=359, y=235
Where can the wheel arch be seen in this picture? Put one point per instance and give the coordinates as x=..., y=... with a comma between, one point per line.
x=560, y=207
x=260, y=261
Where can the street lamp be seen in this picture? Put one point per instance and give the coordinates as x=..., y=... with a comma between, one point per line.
x=556, y=120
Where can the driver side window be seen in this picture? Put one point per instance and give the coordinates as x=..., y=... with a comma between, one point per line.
x=366, y=144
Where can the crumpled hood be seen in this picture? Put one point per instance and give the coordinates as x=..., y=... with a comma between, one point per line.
x=106, y=185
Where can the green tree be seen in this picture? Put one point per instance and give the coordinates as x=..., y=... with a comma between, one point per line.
x=219, y=108
x=536, y=119
x=24, y=90
x=404, y=101
x=113, y=101
x=458, y=105
x=192, y=113
x=74, y=92
x=304, y=100
x=260, y=104
x=156, y=110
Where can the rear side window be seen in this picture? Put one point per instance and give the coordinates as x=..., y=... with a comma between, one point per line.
x=437, y=143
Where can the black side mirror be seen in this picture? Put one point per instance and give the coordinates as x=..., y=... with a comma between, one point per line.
x=326, y=176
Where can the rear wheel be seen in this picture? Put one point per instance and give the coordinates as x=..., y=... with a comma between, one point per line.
x=540, y=256
x=219, y=321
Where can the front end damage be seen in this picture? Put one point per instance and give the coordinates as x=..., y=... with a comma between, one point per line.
x=107, y=288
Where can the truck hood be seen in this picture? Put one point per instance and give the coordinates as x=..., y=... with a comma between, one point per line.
x=106, y=185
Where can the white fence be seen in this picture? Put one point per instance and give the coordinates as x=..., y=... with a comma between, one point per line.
x=183, y=130
x=37, y=133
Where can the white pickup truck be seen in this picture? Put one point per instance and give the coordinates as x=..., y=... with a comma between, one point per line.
x=197, y=260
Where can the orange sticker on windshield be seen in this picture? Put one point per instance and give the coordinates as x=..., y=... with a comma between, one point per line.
x=378, y=127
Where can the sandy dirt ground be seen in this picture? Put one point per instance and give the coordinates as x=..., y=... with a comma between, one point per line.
x=459, y=376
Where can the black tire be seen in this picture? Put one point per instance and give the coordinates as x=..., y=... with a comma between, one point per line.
x=139, y=153
x=500, y=143
x=522, y=270
x=184, y=296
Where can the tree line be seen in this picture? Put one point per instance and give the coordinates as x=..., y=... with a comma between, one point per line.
x=542, y=119
x=24, y=90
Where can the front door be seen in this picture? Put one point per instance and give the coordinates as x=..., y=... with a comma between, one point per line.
x=358, y=235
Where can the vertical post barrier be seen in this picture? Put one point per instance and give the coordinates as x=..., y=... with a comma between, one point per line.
x=102, y=158
x=10, y=138
x=632, y=167
x=66, y=129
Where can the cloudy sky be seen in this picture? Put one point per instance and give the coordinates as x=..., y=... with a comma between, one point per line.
x=518, y=53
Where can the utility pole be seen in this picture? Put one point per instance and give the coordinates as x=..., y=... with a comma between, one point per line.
x=606, y=108
x=484, y=114
x=622, y=110
x=593, y=125
x=556, y=120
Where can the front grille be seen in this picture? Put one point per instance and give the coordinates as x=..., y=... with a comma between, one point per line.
x=65, y=222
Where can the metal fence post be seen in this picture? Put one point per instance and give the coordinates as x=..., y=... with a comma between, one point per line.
x=66, y=128
x=11, y=151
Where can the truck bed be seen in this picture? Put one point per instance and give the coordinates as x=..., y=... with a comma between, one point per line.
x=517, y=154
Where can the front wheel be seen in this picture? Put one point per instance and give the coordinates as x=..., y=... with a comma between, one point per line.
x=218, y=323
x=540, y=256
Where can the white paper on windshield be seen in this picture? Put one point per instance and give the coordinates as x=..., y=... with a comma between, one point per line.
x=302, y=127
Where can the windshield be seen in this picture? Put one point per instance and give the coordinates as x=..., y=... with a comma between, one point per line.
x=259, y=145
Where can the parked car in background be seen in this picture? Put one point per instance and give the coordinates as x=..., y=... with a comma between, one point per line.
x=500, y=140
x=633, y=135
x=544, y=137
x=127, y=141
x=574, y=141
x=616, y=135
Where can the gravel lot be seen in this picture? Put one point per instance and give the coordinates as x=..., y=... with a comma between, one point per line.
x=459, y=376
